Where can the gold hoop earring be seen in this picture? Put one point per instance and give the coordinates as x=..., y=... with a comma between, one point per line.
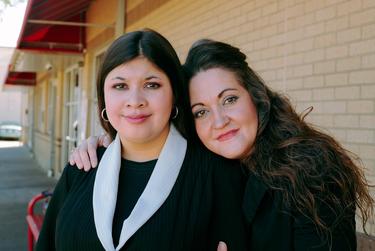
x=176, y=113
x=104, y=117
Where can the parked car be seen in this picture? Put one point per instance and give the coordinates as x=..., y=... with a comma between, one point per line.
x=10, y=130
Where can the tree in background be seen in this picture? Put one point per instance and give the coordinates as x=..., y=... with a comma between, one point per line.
x=8, y=3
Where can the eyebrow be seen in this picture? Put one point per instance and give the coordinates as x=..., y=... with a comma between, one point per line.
x=118, y=78
x=219, y=96
x=197, y=105
x=151, y=77
x=123, y=79
x=225, y=90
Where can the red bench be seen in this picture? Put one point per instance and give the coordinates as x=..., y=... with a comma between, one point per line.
x=35, y=221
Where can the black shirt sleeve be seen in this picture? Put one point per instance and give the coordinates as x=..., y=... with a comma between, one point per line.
x=228, y=220
x=46, y=240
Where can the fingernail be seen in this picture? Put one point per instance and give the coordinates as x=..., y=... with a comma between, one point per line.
x=222, y=244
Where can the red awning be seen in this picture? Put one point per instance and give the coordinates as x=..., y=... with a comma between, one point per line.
x=21, y=78
x=54, y=26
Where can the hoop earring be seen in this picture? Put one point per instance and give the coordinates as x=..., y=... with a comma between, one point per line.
x=176, y=113
x=102, y=115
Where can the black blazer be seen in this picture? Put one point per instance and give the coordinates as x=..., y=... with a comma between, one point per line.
x=272, y=226
x=203, y=208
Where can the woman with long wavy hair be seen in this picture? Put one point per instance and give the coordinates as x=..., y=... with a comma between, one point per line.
x=303, y=187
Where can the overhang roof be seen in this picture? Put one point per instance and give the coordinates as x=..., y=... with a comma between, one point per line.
x=54, y=26
x=50, y=26
x=21, y=78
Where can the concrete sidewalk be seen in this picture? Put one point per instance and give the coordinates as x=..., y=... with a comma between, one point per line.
x=20, y=180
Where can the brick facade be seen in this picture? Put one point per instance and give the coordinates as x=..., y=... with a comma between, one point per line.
x=320, y=53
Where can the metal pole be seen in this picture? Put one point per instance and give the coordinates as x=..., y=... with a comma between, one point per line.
x=53, y=129
x=54, y=22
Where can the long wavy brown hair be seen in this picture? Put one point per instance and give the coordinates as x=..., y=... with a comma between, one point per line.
x=309, y=167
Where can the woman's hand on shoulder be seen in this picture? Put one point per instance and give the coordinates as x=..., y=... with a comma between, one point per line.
x=222, y=246
x=84, y=156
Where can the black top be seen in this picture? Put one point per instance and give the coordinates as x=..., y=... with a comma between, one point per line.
x=133, y=178
x=274, y=226
x=204, y=207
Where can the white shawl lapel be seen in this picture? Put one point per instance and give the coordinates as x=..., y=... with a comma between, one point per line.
x=156, y=192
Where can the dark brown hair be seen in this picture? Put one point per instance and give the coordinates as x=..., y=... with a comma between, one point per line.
x=309, y=168
x=153, y=46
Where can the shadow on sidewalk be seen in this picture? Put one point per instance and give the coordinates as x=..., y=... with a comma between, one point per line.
x=20, y=180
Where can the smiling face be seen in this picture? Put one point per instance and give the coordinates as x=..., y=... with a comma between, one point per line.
x=138, y=100
x=226, y=119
